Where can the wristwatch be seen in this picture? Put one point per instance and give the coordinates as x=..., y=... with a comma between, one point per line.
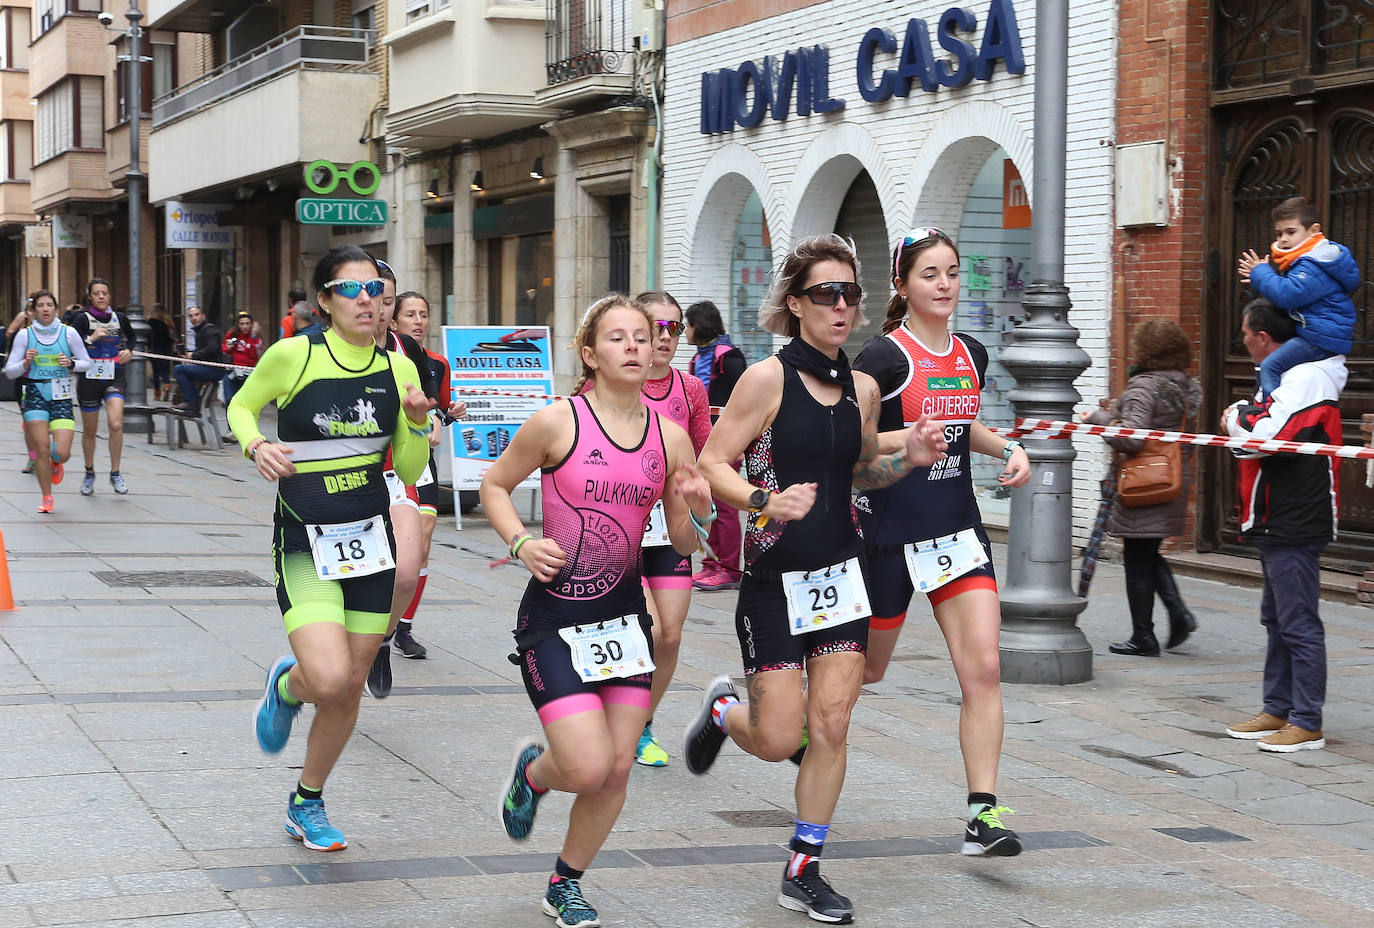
x=758, y=499
x=1009, y=449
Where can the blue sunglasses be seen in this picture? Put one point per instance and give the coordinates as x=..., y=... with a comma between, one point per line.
x=348, y=289
x=914, y=237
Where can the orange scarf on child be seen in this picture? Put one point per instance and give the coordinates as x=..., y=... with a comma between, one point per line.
x=1283, y=260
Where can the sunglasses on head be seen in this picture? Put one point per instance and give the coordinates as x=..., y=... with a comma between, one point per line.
x=348, y=289
x=829, y=293
x=914, y=237
x=672, y=328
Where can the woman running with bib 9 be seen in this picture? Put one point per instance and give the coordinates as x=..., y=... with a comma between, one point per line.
x=583, y=633
x=47, y=354
x=926, y=532
x=807, y=428
x=680, y=398
x=341, y=402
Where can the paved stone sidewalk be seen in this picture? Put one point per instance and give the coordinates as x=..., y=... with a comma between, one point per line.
x=131, y=791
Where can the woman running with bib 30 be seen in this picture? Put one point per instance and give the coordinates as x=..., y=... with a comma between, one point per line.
x=341, y=402
x=926, y=533
x=583, y=633
x=48, y=354
x=679, y=398
x=807, y=428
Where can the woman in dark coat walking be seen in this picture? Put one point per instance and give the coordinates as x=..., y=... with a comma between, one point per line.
x=1159, y=395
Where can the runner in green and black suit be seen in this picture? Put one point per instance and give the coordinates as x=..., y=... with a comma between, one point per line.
x=341, y=402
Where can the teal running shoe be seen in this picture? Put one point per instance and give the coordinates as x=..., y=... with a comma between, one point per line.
x=306, y=822
x=648, y=752
x=564, y=901
x=518, y=800
x=273, y=719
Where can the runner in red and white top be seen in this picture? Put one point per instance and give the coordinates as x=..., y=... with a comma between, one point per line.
x=925, y=531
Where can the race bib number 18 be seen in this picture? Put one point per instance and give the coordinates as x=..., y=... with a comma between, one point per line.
x=350, y=549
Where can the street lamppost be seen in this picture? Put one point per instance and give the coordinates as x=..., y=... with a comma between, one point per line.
x=136, y=379
x=1041, y=641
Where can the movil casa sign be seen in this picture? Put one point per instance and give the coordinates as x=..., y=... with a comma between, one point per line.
x=886, y=65
x=324, y=177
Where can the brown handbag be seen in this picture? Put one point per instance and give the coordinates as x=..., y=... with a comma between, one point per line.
x=1152, y=475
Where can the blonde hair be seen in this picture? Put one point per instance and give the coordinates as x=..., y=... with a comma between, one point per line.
x=774, y=316
x=585, y=336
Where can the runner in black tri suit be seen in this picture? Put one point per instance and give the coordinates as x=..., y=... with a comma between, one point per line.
x=583, y=636
x=927, y=529
x=411, y=317
x=342, y=402
x=807, y=427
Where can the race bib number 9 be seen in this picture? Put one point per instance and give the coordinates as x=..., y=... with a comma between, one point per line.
x=607, y=650
x=101, y=369
x=818, y=599
x=350, y=549
x=656, y=528
x=936, y=561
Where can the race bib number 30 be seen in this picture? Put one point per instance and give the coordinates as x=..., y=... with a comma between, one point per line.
x=607, y=650
x=818, y=599
x=101, y=369
x=936, y=561
x=656, y=528
x=350, y=549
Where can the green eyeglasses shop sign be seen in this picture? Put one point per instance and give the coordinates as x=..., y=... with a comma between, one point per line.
x=323, y=177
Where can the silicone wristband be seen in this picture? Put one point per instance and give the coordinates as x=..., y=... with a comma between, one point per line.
x=518, y=543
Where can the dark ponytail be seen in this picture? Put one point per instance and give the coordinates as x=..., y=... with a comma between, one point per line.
x=904, y=256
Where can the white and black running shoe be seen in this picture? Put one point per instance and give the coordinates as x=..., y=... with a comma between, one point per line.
x=986, y=835
x=704, y=738
x=809, y=892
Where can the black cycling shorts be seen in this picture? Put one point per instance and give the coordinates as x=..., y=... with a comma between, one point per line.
x=765, y=639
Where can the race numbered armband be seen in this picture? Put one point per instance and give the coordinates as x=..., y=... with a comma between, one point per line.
x=609, y=649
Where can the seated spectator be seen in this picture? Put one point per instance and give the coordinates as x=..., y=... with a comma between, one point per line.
x=190, y=376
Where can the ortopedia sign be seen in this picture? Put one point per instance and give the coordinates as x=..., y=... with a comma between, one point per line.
x=327, y=212
x=196, y=225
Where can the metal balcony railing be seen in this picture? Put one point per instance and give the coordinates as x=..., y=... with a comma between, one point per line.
x=317, y=47
x=585, y=37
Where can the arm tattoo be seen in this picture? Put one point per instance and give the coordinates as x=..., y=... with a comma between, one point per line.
x=872, y=472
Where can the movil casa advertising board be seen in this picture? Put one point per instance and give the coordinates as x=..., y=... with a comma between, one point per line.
x=324, y=177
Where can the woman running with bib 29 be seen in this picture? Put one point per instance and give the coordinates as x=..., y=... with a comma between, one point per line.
x=926, y=532
x=583, y=633
x=807, y=428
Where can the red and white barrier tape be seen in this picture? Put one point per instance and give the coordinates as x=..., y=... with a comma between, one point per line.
x=168, y=357
x=1048, y=428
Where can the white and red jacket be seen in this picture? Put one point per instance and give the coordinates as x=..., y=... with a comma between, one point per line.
x=1292, y=500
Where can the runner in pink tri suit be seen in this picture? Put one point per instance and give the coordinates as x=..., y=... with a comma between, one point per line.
x=583, y=636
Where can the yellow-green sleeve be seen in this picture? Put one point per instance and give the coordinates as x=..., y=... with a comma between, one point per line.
x=276, y=372
x=410, y=440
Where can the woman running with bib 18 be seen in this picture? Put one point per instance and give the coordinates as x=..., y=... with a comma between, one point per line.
x=583, y=634
x=925, y=532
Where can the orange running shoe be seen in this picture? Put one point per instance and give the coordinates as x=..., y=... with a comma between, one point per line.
x=46, y=505
x=58, y=472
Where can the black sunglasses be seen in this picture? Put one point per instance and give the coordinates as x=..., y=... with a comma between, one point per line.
x=672, y=328
x=828, y=293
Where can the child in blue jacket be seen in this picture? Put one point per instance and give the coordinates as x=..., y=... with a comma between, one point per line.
x=1312, y=279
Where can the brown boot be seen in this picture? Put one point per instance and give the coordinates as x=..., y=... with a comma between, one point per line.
x=1259, y=727
x=1291, y=738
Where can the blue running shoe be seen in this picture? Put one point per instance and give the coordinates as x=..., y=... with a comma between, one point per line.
x=306, y=821
x=518, y=800
x=273, y=718
x=564, y=902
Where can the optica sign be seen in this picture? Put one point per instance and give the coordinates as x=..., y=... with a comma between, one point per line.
x=326, y=212
x=743, y=96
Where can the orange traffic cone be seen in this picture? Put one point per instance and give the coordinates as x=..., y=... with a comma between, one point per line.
x=6, y=594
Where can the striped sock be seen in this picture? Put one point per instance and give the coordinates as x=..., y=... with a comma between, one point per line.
x=803, y=853
x=719, y=708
